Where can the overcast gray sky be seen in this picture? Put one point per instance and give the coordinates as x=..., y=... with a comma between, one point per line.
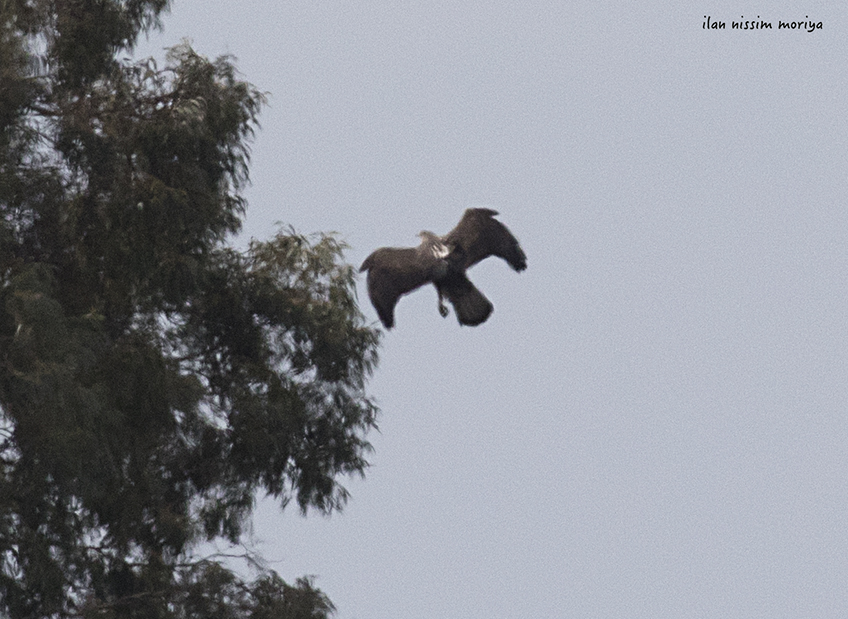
x=654, y=421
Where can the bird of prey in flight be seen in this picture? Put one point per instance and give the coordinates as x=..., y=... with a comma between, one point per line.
x=443, y=261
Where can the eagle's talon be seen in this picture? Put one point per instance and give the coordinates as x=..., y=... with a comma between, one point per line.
x=443, y=310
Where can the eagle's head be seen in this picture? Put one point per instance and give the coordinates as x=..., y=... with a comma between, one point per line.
x=428, y=237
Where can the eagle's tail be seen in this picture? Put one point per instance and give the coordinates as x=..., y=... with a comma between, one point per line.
x=471, y=306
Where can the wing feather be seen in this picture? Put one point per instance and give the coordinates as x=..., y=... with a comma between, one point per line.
x=479, y=235
x=394, y=272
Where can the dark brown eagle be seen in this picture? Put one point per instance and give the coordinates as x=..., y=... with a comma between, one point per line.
x=442, y=261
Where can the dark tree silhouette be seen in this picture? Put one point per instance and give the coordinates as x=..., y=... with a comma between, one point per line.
x=152, y=379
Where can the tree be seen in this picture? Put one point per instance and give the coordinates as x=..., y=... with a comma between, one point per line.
x=153, y=380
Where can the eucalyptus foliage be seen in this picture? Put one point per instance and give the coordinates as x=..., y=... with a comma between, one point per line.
x=153, y=380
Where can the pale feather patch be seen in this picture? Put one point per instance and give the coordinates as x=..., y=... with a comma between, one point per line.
x=440, y=250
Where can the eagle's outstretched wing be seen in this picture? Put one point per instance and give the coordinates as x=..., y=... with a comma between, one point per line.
x=479, y=235
x=394, y=272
